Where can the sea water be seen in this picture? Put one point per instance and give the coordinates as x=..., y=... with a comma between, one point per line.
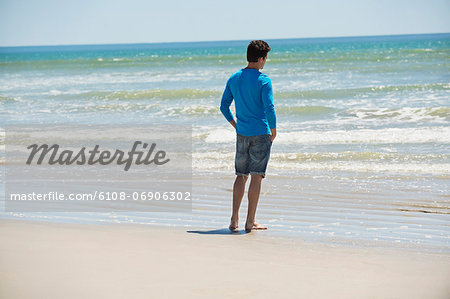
x=362, y=151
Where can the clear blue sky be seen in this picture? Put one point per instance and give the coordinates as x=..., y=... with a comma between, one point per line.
x=57, y=22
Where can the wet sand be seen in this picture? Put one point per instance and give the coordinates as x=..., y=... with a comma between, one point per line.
x=53, y=260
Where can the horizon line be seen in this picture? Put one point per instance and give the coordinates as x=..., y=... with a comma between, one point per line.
x=225, y=40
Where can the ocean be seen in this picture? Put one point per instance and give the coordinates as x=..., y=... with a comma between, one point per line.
x=362, y=152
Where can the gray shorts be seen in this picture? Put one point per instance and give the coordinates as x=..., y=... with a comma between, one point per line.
x=252, y=154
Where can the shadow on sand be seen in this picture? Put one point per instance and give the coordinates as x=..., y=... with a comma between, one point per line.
x=221, y=231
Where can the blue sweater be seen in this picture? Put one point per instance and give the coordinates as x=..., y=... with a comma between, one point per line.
x=252, y=93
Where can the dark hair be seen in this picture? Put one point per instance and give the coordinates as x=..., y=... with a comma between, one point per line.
x=257, y=49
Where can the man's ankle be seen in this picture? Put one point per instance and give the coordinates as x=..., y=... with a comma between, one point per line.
x=249, y=222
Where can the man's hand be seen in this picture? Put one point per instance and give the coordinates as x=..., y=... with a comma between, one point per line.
x=273, y=134
x=233, y=123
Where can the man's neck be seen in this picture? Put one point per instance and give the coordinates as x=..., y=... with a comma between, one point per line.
x=253, y=65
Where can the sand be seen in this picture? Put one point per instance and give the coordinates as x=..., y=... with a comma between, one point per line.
x=52, y=260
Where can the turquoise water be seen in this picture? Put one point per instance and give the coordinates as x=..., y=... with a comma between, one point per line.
x=364, y=123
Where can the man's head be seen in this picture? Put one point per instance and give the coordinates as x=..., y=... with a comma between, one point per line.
x=257, y=49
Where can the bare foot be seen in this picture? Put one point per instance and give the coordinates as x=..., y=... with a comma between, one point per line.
x=256, y=226
x=234, y=227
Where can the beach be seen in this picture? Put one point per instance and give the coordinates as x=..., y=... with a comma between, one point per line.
x=356, y=194
x=45, y=260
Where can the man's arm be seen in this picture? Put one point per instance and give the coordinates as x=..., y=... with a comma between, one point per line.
x=273, y=134
x=227, y=99
x=269, y=109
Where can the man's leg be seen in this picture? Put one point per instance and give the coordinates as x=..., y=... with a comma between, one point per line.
x=238, y=194
x=253, y=197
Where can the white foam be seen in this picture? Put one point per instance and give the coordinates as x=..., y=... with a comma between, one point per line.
x=369, y=167
x=368, y=136
x=225, y=161
x=363, y=136
x=69, y=81
x=220, y=136
x=400, y=115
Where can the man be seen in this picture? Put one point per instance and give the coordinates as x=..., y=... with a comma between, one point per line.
x=255, y=127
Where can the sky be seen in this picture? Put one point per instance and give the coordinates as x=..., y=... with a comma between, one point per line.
x=61, y=22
